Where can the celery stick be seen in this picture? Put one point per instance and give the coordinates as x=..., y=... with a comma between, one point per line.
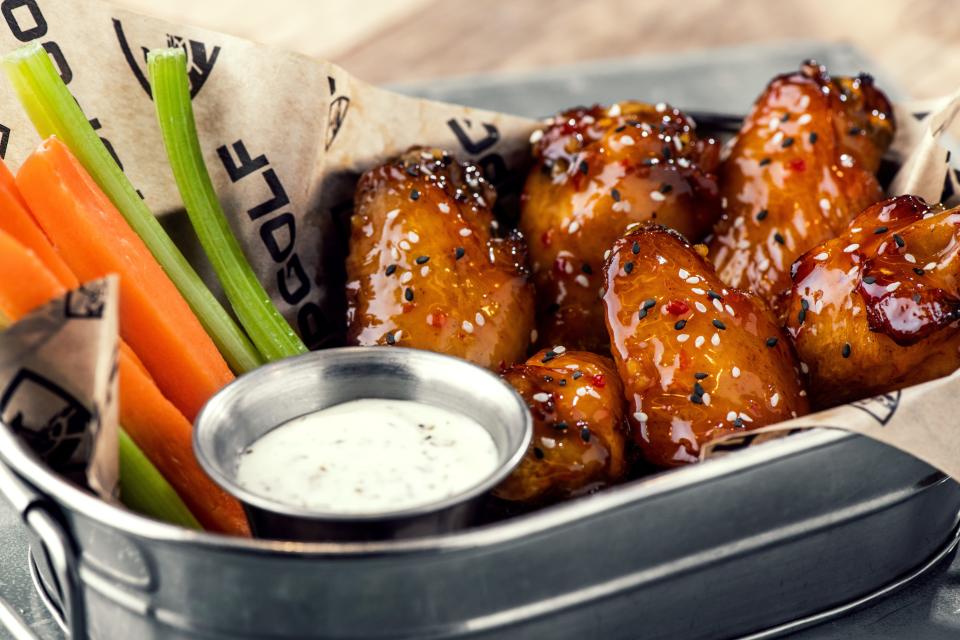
x=144, y=490
x=54, y=111
x=270, y=332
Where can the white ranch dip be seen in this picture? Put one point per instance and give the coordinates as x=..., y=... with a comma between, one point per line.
x=369, y=456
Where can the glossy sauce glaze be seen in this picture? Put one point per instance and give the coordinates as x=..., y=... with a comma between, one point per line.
x=579, y=426
x=369, y=456
x=876, y=308
x=802, y=166
x=697, y=359
x=597, y=171
x=426, y=269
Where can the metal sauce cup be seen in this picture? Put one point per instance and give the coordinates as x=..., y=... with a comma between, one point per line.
x=260, y=401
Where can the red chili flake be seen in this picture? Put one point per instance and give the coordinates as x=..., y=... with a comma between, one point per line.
x=797, y=164
x=677, y=307
x=438, y=319
x=598, y=381
x=546, y=238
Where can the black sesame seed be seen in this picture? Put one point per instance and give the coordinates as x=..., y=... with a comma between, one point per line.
x=649, y=303
x=584, y=167
x=804, y=304
x=636, y=247
x=764, y=162
x=666, y=188
x=460, y=251
x=587, y=269
x=719, y=325
x=562, y=382
x=869, y=279
x=813, y=137
x=628, y=267
x=695, y=399
x=615, y=194
x=779, y=238
x=667, y=152
x=423, y=259
x=700, y=375
x=787, y=142
x=408, y=294
x=772, y=342
x=698, y=389
x=391, y=269
x=414, y=195
x=548, y=378
x=680, y=324
x=560, y=426
x=391, y=339
x=585, y=434
x=880, y=230
x=713, y=295
x=577, y=375
x=538, y=453
x=620, y=128
x=802, y=316
x=547, y=357
x=918, y=271
x=738, y=422
x=855, y=131
x=762, y=214
x=899, y=240
x=785, y=117
x=916, y=298
x=642, y=314
x=845, y=352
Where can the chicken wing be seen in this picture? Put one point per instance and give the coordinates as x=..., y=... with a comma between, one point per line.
x=876, y=309
x=580, y=429
x=800, y=169
x=596, y=172
x=697, y=360
x=425, y=270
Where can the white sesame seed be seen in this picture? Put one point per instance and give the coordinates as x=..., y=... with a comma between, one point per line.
x=683, y=337
x=582, y=391
x=414, y=236
x=723, y=202
x=698, y=290
x=656, y=196
x=846, y=160
x=763, y=265
x=930, y=266
x=429, y=319
x=729, y=309
x=394, y=253
x=805, y=118
x=640, y=416
x=541, y=397
x=444, y=207
x=574, y=227
x=614, y=110
x=893, y=286
x=398, y=335
x=626, y=140
x=699, y=342
x=715, y=339
x=824, y=204
x=804, y=102
x=536, y=136
x=582, y=280
x=856, y=229
x=479, y=319
x=702, y=308
x=606, y=254
x=465, y=232
x=821, y=256
x=683, y=162
x=804, y=367
x=909, y=258
x=735, y=372
x=559, y=349
x=731, y=416
x=718, y=305
x=683, y=273
x=775, y=400
x=622, y=206
x=706, y=399
x=745, y=417
x=406, y=277
x=393, y=214
x=850, y=248
x=548, y=443
x=404, y=245
x=739, y=222
x=803, y=393
x=424, y=270
x=777, y=137
x=467, y=326
x=593, y=392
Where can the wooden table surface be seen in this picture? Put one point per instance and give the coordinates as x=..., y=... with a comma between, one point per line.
x=382, y=41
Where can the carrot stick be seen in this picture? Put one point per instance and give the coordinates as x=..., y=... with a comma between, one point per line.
x=94, y=240
x=151, y=421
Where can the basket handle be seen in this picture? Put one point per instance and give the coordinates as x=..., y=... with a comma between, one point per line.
x=58, y=548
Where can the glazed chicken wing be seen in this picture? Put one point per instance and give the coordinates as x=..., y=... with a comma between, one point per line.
x=579, y=432
x=424, y=269
x=697, y=360
x=876, y=309
x=800, y=169
x=596, y=172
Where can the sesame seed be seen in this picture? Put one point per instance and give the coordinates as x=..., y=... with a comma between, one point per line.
x=731, y=416
x=813, y=135
x=917, y=298
x=695, y=399
x=699, y=341
x=408, y=294
x=714, y=295
x=775, y=400
x=698, y=388
x=869, y=279
x=391, y=269
x=582, y=280
x=574, y=227
x=649, y=303
x=657, y=196
x=729, y=310
x=391, y=339
x=702, y=308
x=909, y=258
x=642, y=314
x=680, y=324
x=626, y=140
x=424, y=270
x=615, y=194
x=697, y=290
x=585, y=434
x=764, y=162
x=628, y=267
x=706, y=399
x=805, y=118
x=406, y=277
x=465, y=232
x=880, y=230
x=636, y=247
x=772, y=342
x=393, y=213
x=683, y=337
x=577, y=374
x=899, y=240
x=893, y=286
x=584, y=167
x=459, y=253
x=666, y=188
x=804, y=367
x=405, y=245
x=845, y=352
x=802, y=316
x=779, y=238
x=719, y=325
x=715, y=339
x=640, y=416
x=541, y=397
x=443, y=207
x=700, y=375
x=735, y=372
x=787, y=142
x=479, y=319
x=824, y=204
x=560, y=426
x=918, y=271
x=821, y=256
x=414, y=195
x=930, y=266
x=717, y=305
x=683, y=273
x=850, y=248
x=423, y=259
x=414, y=237
x=846, y=160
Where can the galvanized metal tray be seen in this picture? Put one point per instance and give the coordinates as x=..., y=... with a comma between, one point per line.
x=760, y=542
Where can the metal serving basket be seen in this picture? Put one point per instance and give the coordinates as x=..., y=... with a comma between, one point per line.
x=758, y=543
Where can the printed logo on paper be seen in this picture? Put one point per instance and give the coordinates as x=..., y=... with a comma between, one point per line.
x=49, y=419
x=86, y=302
x=881, y=408
x=336, y=114
x=200, y=59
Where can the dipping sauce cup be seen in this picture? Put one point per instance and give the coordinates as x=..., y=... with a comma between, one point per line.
x=256, y=403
